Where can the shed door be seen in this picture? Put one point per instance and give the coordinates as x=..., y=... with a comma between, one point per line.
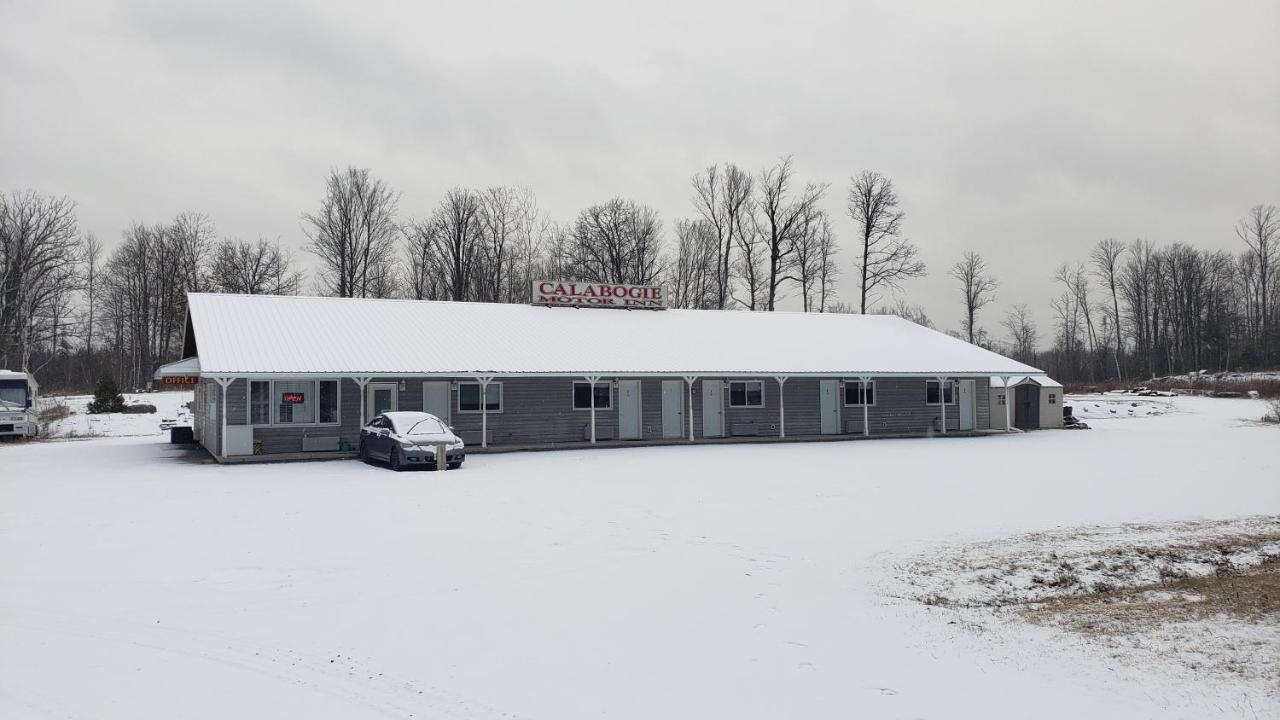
x=435, y=399
x=829, y=405
x=712, y=408
x=1026, y=411
x=672, y=409
x=967, y=407
x=629, y=409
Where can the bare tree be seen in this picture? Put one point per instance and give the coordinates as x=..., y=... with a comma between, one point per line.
x=885, y=257
x=724, y=199
x=784, y=222
x=39, y=255
x=813, y=262
x=507, y=224
x=1075, y=281
x=92, y=254
x=751, y=266
x=828, y=267
x=1106, y=267
x=257, y=268
x=977, y=287
x=1260, y=231
x=619, y=241
x=692, y=273
x=914, y=313
x=354, y=233
x=1022, y=333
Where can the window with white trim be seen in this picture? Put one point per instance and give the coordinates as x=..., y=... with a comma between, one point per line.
x=1001, y=398
x=260, y=402
x=746, y=393
x=295, y=402
x=1053, y=398
x=582, y=395
x=931, y=392
x=857, y=393
x=469, y=397
x=327, y=395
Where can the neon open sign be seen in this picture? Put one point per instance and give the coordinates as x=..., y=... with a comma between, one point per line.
x=291, y=398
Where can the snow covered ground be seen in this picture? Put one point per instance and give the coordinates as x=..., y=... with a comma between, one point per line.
x=80, y=424
x=742, y=581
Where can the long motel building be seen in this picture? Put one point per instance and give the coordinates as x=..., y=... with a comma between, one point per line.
x=583, y=364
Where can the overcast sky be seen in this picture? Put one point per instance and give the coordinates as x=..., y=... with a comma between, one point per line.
x=1026, y=131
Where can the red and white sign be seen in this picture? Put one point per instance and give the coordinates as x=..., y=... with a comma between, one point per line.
x=180, y=380
x=601, y=295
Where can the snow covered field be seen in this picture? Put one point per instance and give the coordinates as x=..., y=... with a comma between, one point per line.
x=738, y=581
x=80, y=424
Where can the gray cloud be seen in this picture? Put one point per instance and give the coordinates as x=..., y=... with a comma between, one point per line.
x=1026, y=131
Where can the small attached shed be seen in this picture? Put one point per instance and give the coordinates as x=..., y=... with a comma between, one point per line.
x=1037, y=402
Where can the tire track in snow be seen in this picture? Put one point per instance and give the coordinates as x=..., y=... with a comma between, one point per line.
x=339, y=676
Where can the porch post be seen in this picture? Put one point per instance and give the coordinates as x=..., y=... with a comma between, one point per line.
x=592, y=380
x=224, y=383
x=942, y=398
x=866, y=426
x=361, y=382
x=1008, y=401
x=484, y=381
x=690, y=379
x=782, y=410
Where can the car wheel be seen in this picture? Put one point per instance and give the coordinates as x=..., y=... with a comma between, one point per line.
x=395, y=459
x=364, y=451
x=455, y=466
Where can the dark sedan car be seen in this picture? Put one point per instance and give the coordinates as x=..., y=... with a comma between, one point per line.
x=409, y=439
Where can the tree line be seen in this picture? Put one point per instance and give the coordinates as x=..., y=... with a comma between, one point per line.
x=71, y=313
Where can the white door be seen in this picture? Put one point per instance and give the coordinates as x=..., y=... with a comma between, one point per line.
x=381, y=397
x=712, y=408
x=629, y=409
x=672, y=409
x=830, y=406
x=435, y=399
x=966, y=404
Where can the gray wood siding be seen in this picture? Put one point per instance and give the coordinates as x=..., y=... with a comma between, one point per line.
x=285, y=439
x=540, y=410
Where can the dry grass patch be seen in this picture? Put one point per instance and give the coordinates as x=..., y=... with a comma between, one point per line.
x=1202, y=597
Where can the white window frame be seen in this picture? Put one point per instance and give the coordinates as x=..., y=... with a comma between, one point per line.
x=1053, y=398
x=942, y=396
x=844, y=394
x=1001, y=397
x=501, y=401
x=573, y=396
x=271, y=395
x=729, y=393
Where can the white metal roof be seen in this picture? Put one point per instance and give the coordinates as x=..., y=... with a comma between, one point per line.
x=189, y=366
x=1041, y=380
x=264, y=334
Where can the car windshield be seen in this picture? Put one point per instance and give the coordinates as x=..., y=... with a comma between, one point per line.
x=422, y=426
x=13, y=394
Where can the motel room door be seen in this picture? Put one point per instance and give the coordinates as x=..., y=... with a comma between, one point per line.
x=967, y=407
x=435, y=399
x=672, y=409
x=830, y=407
x=712, y=408
x=629, y=410
x=380, y=398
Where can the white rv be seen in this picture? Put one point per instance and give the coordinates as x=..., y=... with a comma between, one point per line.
x=18, y=413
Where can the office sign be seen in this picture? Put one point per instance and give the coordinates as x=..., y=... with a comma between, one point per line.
x=556, y=293
x=180, y=380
